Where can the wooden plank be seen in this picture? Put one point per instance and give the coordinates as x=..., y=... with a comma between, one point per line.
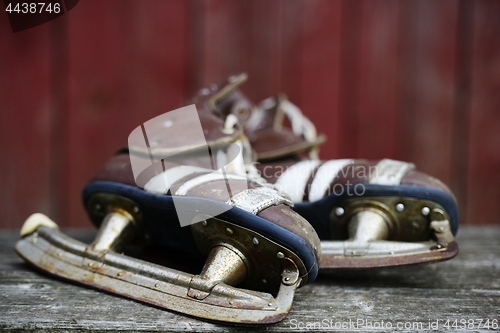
x=320, y=54
x=265, y=38
x=430, y=74
x=483, y=179
x=25, y=122
x=380, y=78
x=258, y=37
x=261, y=38
x=277, y=48
x=349, y=74
x=59, y=172
x=101, y=101
x=451, y=290
x=212, y=50
x=127, y=65
x=227, y=37
x=292, y=49
x=195, y=45
x=224, y=39
x=462, y=100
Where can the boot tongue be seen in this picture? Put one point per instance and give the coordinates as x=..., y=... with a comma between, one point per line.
x=264, y=124
x=269, y=136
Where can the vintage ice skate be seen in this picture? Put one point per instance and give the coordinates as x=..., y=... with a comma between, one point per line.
x=247, y=232
x=367, y=213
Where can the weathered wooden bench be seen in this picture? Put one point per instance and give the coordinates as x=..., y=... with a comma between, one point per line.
x=462, y=294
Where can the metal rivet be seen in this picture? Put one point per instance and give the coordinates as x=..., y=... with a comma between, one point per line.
x=136, y=209
x=229, y=231
x=426, y=211
x=439, y=246
x=242, y=111
x=353, y=252
x=280, y=255
x=255, y=241
x=392, y=252
x=287, y=279
x=91, y=264
x=156, y=285
x=264, y=281
x=441, y=228
x=230, y=302
x=120, y=274
x=204, y=223
x=400, y=207
x=339, y=211
x=270, y=304
x=59, y=254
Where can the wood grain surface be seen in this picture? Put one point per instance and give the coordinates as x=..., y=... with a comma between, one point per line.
x=464, y=288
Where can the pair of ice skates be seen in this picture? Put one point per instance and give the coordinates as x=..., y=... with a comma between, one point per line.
x=225, y=181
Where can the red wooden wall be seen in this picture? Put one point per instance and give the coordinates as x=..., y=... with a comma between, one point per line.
x=411, y=80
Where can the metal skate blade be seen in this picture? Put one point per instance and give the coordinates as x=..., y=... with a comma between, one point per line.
x=374, y=254
x=60, y=255
x=376, y=235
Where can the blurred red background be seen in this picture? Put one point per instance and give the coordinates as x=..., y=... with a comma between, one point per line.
x=410, y=80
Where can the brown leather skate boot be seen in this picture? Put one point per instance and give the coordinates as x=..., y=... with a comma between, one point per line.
x=181, y=184
x=367, y=213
